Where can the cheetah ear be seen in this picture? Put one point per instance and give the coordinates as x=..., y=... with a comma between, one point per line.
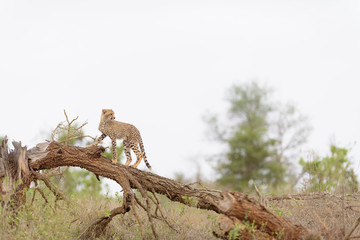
x=103, y=111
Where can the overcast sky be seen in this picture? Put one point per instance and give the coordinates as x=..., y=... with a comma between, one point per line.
x=161, y=65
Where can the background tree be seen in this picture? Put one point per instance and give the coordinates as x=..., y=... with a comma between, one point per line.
x=330, y=173
x=259, y=135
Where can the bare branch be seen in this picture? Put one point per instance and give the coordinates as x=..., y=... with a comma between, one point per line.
x=348, y=236
x=262, y=200
x=68, y=127
x=56, y=131
x=53, y=189
x=322, y=223
x=136, y=215
x=41, y=193
x=77, y=137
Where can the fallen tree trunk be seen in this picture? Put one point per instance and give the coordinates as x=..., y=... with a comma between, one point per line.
x=241, y=211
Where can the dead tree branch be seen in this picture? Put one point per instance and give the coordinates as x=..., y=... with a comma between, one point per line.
x=348, y=236
x=58, y=194
x=69, y=130
x=235, y=205
x=238, y=208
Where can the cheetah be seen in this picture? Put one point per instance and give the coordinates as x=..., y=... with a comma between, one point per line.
x=128, y=133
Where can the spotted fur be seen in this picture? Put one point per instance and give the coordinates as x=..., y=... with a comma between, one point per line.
x=128, y=133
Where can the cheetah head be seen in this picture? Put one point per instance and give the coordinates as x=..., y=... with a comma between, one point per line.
x=108, y=114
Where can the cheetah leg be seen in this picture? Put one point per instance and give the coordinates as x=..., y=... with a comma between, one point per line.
x=127, y=153
x=98, y=140
x=114, y=158
x=138, y=154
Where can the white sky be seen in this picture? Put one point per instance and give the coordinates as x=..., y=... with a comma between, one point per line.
x=162, y=64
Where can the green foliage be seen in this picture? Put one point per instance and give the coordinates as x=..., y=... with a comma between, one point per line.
x=74, y=137
x=107, y=213
x=235, y=232
x=249, y=151
x=190, y=201
x=81, y=182
x=258, y=136
x=280, y=211
x=118, y=197
x=332, y=172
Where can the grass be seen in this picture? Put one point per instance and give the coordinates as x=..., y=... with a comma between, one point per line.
x=331, y=215
x=61, y=221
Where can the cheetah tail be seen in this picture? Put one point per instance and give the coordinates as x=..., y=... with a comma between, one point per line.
x=144, y=155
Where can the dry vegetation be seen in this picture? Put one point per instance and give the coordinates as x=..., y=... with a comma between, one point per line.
x=334, y=216
x=41, y=220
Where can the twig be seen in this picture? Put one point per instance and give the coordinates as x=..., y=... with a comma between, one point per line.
x=150, y=217
x=145, y=196
x=139, y=202
x=69, y=127
x=157, y=203
x=56, y=192
x=262, y=200
x=136, y=216
x=147, y=210
x=82, y=125
x=351, y=207
x=71, y=132
x=32, y=200
x=55, y=131
x=40, y=191
x=353, y=237
x=42, y=194
x=353, y=229
x=322, y=223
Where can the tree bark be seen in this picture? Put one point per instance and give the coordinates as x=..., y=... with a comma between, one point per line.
x=251, y=219
x=14, y=166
